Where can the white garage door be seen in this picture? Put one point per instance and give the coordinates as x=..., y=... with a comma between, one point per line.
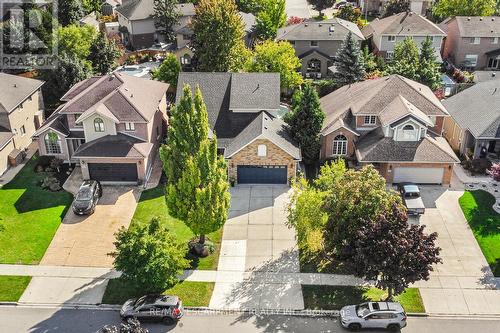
x=418, y=175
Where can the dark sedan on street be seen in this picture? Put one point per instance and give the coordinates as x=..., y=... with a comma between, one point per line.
x=87, y=197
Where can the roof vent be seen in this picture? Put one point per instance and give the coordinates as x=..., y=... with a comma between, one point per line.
x=320, y=25
x=468, y=19
x=131, y=95
x=493, y=19
x=331, y=28
x=480, y=19
x=306, y=25
x=493, y=74
x=494, y=91
x=15, y=85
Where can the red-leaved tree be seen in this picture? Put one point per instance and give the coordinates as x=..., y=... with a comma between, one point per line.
x=494, y=171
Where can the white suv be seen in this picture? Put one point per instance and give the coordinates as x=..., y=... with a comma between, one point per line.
x=387, y=315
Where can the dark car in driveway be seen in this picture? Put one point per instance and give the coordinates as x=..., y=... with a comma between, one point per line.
x=87, y=197
x=164, y=308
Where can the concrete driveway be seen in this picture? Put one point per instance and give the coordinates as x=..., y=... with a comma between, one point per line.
x=86, y=240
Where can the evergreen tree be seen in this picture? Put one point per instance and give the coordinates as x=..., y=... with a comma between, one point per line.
x=396, y=6
x=369, y=60
x=168, y=71
x=270, y=19
x=429, y=69
x=70, y=11
x=104, y=54
x=406, y=60
x=166, y=16
x=321, y=5
x=305, y=123
x=218, y=37
x=349, y=62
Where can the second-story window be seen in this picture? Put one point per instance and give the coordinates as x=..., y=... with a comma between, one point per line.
x=391, y=38
x=475, y=40
x=494, y=40
x=98, y=125
x=129, y=127
x=314, y=43
x=77, y=115
x=370, y=120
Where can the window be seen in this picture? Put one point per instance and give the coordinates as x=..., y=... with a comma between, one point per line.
x=314, y=43
x=262, y=150
x=339, y=145
x=129, y=126
x=494, y=40
x=77, y=115
x=292, y=42
x=389, y=55
x=98, y=125
x=471, y=60
x=391, y=38
x=370, y=120
x=475, y=40
x=408, y=133
x=493, y=63
x=22, y=130
x=52, y=143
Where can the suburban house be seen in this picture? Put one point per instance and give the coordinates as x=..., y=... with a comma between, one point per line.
x=110, y=125
x=472, y=42
x=317, y=42
x=109, y=6
x=386, y=32
x=393, y=123
x=474, y=126
x=242, y=112
x=378, y=6
x=137, y=23
x=21, y=113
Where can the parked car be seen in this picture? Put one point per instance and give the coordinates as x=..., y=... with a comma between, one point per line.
x=387, y=315
x=164, y=308
x=87, y=197
x=411, y=197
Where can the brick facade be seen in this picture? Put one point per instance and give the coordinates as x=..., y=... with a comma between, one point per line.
x=248, y=156
x=327, y=143
x=385, y=169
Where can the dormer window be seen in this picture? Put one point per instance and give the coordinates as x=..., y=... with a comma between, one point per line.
x=98, y=125
x=409, y=133
x=370, y=120
x=314, y=43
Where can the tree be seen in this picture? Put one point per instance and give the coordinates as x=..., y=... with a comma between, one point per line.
x=429, y=69
x=90, y=6
x=321, y=5
x=406, y=60
x=168, y=70
x=349, y=13
x=396, y=6
x=349, y=62
x=149, y=257
x=250, y=6
x=272, y=57
x=305, y=123
x=270, y=19
x=218, y=37
x=69, y=11
x=392, y=253
x=494, y=171
x=166, y=15
x=450, y=8
x=369, y=60
x=200, y=195
x=103, y=54
x=76, y=39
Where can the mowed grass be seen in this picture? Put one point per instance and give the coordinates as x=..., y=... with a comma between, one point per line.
x=191, y=293
x=335, y=297
x=29, y=216
x=485, y=224
x=12, y=287
x=152, y=203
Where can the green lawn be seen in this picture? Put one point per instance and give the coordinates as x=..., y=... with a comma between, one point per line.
x=152, y=203
x=12, y=287
x=191, y=293
x=335, y=297
x=485, y=224
x=30, y=216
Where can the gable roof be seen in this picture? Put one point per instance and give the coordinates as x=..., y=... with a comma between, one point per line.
x=370, y=97
x=400, y=108
x=332, y=29
x=403, y=24
x=143, y=9
x=477, y=109
x=254, y=91
x=15, y=89
x=477, y=26
x=119, y=145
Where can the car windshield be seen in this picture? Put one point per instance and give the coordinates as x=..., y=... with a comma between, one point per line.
x=84, y=194
x=362, y=310
x=411, y=195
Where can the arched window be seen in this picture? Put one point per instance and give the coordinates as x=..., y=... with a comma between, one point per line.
x=98, y=125
x=339, y=145
x=262, y=150
x=52, y=143
x=408, y=128
x=408, y=133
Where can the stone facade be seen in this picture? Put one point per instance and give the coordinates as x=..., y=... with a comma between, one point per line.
x=248, y=156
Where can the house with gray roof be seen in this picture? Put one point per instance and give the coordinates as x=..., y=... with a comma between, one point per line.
x=243, y=114
x=317, y=42
x=392, y=123
x=110, y=125
x=472, y=42
x=21, y=113
x=474, y=126
x=384, y=33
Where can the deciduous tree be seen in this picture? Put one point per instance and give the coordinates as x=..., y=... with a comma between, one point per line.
x=349, y=62
x=69, y=11
x=450, y=8
x=168, y=71
x=321, y=5
x=166, y=15
x=76, y=39
x=406, y=60
x=494, y=171
x=104, y=54
x=396, y=6
x=270, y=19
x=90, y=6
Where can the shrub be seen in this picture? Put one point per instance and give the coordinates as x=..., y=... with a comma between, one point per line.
x=294, y=20
x=480, y=165
x=494, y=171
x=51, y=183
x=132, y=60
x=56, y=164
x=42, y=163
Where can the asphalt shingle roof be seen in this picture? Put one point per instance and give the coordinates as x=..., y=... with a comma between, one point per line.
x=143, y=9
x=110, y=146
x=477, y=26
x=14, y=90
x=254, y=91
x=5, y=137
x=477, y=109
x=403, y=24
x=332, y=29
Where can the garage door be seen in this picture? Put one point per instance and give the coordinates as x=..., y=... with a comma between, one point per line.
x=262, y=174
x=113, y=172
x=418, y=175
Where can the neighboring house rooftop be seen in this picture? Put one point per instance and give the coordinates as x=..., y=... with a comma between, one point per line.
x=90, y=19
x=5, y=137
x=477, y=26
x=144, y=9
x=248, y=20
x=331, y=29
x=403, y=24
x=477, y=109
x=15, y=89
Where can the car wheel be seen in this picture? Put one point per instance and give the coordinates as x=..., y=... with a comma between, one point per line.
x=393, y=327
x=168, y=321
x=354, y=327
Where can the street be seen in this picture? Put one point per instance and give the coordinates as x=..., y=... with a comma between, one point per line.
x=45, y=320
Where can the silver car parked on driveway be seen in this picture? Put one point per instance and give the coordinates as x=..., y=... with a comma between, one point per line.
x=388, y=315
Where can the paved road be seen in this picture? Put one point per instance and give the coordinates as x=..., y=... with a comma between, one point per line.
x=41, y=320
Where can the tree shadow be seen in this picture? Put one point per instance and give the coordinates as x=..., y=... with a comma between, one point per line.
x=480, y=215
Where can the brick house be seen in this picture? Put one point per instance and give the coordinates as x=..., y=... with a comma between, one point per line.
x=243, y=113
x=472, y=42
x=393, y=123
x=110, y=125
